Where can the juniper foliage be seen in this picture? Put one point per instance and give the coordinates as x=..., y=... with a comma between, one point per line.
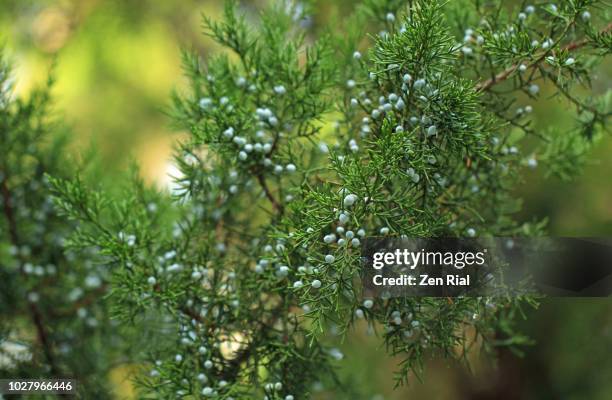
x=249, y=272
x=54, y=321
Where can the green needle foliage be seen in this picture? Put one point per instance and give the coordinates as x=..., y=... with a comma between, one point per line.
x=54, y=321
x=247, y=272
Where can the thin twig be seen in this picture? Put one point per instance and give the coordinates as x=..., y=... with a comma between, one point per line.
x=43, y=337
x=275, y=204
x=505, y=74
x=8, y=212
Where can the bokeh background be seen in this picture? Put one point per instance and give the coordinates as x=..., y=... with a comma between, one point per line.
x=116, y=63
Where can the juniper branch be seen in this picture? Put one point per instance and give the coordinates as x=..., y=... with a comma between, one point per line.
x=505, y=74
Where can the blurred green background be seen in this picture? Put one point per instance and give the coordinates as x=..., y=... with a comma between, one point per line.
x=118, y=61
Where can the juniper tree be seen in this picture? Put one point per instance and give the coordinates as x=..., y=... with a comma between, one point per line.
x=253, y=262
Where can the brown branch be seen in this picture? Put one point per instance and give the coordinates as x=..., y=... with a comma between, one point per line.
x=275, y=204
x=43, y=337
x=503, y=75
x=8, y=212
